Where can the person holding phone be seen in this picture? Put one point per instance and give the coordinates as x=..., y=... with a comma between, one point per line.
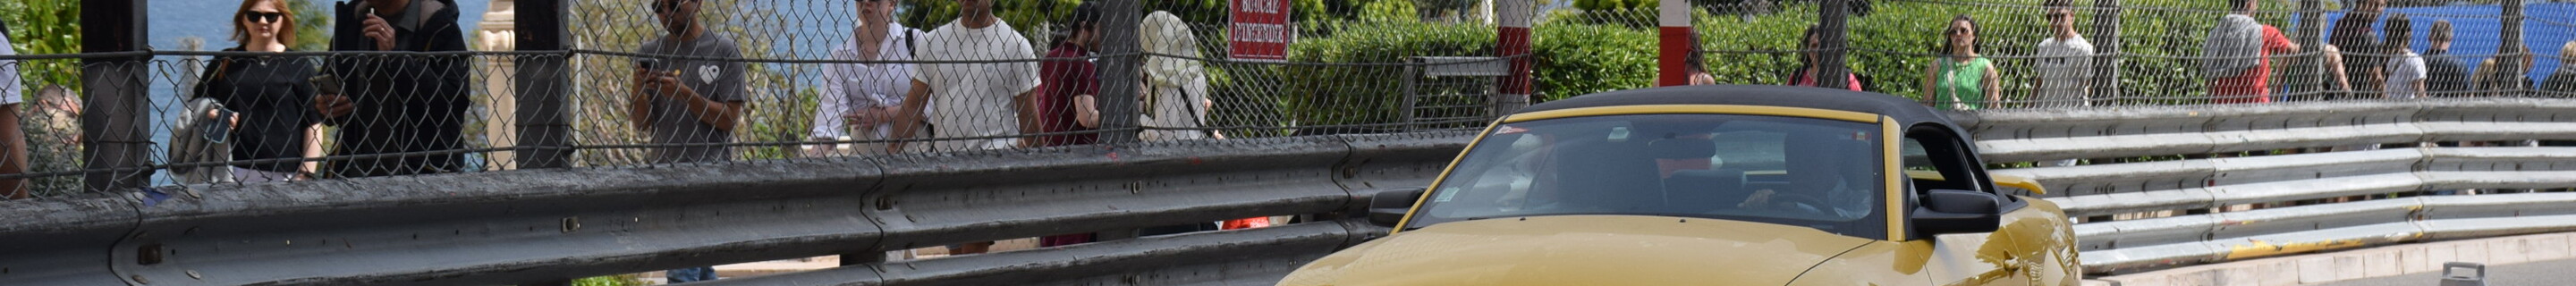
x=263, y=116
x=692, y=101
x=687, y=101
x=406, y=103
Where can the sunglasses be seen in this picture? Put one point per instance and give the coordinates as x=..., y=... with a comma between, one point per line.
x=263, y=17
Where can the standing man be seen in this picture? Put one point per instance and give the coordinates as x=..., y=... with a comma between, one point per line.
x=2363, y=58
x=989, y=101
x=687, y=101
x=397, y=104
x=2065, y=66
x=2447, y=75
x=984, y=101
x=2065, y=61
x=1070, y=102
x=859, y=99
x=2241, y=66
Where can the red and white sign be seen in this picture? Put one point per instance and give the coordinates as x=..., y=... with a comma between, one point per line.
x=1260, y=30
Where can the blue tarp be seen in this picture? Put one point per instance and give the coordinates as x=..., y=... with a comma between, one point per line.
x=2474, y=28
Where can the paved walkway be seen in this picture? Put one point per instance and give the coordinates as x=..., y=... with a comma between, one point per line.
x=2552, y=272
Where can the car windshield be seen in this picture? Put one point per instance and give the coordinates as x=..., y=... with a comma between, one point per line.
x=1817, y=173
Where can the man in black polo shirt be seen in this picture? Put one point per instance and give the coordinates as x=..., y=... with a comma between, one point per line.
x=400, y=103
x=2450, y=76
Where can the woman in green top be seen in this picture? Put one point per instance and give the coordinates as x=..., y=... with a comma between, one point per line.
x=1961, y=80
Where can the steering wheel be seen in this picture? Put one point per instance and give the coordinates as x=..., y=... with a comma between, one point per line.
x=1813, y=204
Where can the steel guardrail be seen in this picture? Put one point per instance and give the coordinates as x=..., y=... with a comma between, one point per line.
x=2187, y=186
x=553, y=224
x=544, y=225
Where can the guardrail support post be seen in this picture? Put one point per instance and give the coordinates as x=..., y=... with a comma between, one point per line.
x=862, y=258
x=118, y=135
x=545, y=127
x=1830, y=28
x=1118, y=74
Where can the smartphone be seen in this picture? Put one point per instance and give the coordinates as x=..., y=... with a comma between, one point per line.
x=648, y=64
x=220, y=129
x=327, y=84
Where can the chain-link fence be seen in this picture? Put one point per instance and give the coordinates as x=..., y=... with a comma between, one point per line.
x=756, y=80
x=2021, y=54
x=774, y=80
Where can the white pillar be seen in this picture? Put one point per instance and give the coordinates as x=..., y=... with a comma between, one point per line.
x=498, y=32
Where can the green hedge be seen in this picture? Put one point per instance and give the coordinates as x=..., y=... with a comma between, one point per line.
x=1893, y=44
x=1588, y=52
x=1576, y=59
x=1342, y=95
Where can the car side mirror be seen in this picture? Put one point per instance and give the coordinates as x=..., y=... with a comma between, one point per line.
x=1387, y=208
x=1956, y=211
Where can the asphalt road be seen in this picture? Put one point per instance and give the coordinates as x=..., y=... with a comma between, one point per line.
x=2553, y=272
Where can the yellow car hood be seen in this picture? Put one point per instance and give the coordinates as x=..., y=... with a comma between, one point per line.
x=1581, y=250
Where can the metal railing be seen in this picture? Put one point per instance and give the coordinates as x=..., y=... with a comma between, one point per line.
x=2227, y=208
x=541, y=225
x=537, y=226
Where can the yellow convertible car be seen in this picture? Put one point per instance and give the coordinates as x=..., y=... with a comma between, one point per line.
x=1713, y=185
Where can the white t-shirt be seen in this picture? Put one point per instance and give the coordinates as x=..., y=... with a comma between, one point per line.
x=2064, y=67
x=11, y=91
x=2406, y=68
x=848, y=87
x=974, y=100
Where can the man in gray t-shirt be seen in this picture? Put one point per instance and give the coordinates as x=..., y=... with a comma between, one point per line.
x=688, y=101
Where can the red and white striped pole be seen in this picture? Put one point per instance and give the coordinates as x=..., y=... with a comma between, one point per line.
x=1514, y=19
x=1675, y=44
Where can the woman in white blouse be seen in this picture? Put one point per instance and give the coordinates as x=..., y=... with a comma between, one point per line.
x=859, y=98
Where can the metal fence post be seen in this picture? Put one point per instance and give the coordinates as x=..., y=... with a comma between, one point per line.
x=2510, y=46
x=1514, y=33
x=1673, y=32
x=545, y=127
x=1830, y=22
x=1118, y=74
x=2106, y=44
x=118, y=134
x=2311, y=36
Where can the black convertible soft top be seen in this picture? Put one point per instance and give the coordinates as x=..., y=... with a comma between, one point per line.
x=1907, y=112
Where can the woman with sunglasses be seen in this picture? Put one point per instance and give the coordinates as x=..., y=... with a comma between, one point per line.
x=267, y=97
x=1961, y=79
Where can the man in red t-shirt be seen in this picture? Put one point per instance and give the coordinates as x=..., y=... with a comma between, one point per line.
x=1070, y=87
x=2254, y=84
